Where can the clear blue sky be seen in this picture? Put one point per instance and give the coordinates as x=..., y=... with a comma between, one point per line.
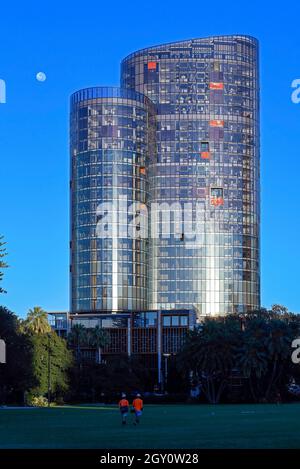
x=82, y=45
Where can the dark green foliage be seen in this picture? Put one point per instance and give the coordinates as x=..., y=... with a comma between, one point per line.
x=26, y=369
x=209, y=353
x=98, y=338
x=265, y=355
x=81, y=337
x=97, y=382
x=257, y=345
x=16, y=375
x=60, y=362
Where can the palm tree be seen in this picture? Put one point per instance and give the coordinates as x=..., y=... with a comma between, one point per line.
x=252, y=362
x=37, y=321
x=278, y=345
x=78, y=337
x=98, y=338
x=209, y=354
x=265, y=351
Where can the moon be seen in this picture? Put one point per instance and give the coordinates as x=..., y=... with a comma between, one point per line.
x=41, y=76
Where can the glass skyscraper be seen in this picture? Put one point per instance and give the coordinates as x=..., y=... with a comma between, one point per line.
x=201, y=162
x=112, y=132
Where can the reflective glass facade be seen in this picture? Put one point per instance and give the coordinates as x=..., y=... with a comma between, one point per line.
x=207, y=96
x=112, y=133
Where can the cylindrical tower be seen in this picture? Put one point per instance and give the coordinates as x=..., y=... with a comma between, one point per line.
x=207, y=96
x=111, y=136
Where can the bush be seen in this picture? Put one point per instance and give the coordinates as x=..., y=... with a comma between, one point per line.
x=36, y=401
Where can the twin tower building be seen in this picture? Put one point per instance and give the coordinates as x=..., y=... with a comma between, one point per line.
x=165, y=182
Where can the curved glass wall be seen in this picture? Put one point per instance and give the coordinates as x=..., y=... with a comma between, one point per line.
x=207, y=96
x=112, y=133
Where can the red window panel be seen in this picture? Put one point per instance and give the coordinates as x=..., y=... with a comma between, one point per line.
x=216, y=123
x=205, y=155
x=143, y=170
x=217, y=201
x=151, y=65
x=216, y=86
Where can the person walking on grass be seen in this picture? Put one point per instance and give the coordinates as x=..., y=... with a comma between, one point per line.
x=124, y=407
x=137, y=406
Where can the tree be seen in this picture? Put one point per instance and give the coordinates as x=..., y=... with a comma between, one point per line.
x=16, y=375
x=278, y=345
x=279, y=310
x=265, y=355
x=37, y=321
x=77, y=338
x=124, y=374
x=98, y=338
x=251, y=357
x=61, y=360
x=209, y=354
x=106, y=381
x=3, y=264
x=47, y=348
x=257, y=345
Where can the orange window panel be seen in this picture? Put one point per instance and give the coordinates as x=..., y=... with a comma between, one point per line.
x=143, y=170
x=217, y=201
x=151, y=65
x=205, y=155
x=216, y=86
x=216, y=123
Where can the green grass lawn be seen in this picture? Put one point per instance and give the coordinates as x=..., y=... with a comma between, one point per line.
x=172, y=426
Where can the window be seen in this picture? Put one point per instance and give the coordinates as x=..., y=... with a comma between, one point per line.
x=151, y=65
x=183, y=320
x=151, y=319
x=216, y=96
x=216, y=86
x=143, y=170
x=216, y=194
x=216, y=123
x=145, y=320
x=204, y=153
x=216, y=133
x=201, y=192
x=175, y=320
x=151, y=73
x=167, y=320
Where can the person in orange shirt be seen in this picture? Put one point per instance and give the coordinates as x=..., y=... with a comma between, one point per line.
x=138, y=406
x=124, y=407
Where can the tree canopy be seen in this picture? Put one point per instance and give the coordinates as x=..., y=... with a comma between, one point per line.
x=60, y=362
x=16, y=375
x=257, y=346
x=37, y=321
x=27, y=354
